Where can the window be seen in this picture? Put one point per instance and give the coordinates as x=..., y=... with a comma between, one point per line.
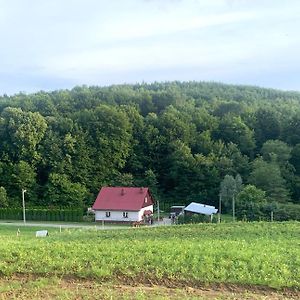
x=146, y=200
x=107, y=214
x=125, y=214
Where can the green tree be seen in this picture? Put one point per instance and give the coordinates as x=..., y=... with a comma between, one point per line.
x=251, y=203
x=176, y=125
x=232, y=129
x=291, y=130
x=24, y=177
x=295, y=158
x=267, y=176
x=229, y=188
x=135, y=162
x=280, y=152
x=234, y=108
x=179, y=169
x=151, y=182
x=228, y=191
x=60, y=191
x=3, y=197
x=276, y=150
x=238, y=183
x=109, y=139
x=21, y=133
x=251, y=194
x=123, y=179
x=266, y=125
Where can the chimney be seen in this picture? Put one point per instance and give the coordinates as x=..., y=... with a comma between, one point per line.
x=141, y=190
x=122, y=192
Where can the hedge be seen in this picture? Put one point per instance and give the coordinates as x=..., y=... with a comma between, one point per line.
x=42, y=214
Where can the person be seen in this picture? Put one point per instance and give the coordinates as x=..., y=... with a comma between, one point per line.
x=173, y=218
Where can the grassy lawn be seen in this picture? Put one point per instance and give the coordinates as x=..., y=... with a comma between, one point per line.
x=265, y=255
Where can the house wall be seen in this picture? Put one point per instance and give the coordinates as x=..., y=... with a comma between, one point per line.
x=117, y=216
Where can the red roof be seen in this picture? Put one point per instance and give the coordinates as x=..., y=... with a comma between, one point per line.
x=123, y=198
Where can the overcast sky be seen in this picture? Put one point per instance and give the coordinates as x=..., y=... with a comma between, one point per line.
x=57, y=44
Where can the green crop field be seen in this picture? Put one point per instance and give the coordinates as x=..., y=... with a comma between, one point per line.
x=242, y=254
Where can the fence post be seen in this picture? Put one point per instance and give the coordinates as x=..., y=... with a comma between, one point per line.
x=272, y=216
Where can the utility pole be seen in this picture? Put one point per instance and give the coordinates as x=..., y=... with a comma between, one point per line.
x=23, y=203
x=220, y=207
x=158, y=210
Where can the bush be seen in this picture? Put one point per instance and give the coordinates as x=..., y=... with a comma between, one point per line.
x=194, y=218
x=262, y=211
x=286, y=212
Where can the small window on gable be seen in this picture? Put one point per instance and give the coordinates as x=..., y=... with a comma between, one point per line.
x=107, y=214
x=125, y=214
x=146, y=199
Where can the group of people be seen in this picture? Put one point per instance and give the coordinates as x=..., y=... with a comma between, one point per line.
x=148, y=219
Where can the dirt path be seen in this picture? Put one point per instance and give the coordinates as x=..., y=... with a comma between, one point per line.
x=28, y=287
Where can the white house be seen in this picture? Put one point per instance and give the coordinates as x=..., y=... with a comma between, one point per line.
x=123, y=204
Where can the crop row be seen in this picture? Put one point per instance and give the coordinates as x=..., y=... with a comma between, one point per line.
x=257, y=253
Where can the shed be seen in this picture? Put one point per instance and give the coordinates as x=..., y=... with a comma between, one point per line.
x=199, y=208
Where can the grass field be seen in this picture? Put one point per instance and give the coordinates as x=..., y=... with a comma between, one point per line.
x=259, y=255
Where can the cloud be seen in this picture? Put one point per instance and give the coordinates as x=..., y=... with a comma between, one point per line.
x=170, y=24
x=97, y=42
x=144, y=46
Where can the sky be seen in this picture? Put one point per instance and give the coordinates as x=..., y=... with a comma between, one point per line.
x=58, y=44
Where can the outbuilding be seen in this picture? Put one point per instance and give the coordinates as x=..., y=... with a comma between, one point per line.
x=123, y=204
x=199, y=208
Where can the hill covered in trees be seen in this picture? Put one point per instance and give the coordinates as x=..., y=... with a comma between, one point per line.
x=179, y=138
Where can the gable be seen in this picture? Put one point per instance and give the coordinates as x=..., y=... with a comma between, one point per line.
x=148, y=200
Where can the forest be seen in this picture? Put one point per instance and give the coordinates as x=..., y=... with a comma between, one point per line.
x=185, y=140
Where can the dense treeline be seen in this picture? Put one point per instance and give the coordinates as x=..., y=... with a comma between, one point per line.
x=181, y=139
